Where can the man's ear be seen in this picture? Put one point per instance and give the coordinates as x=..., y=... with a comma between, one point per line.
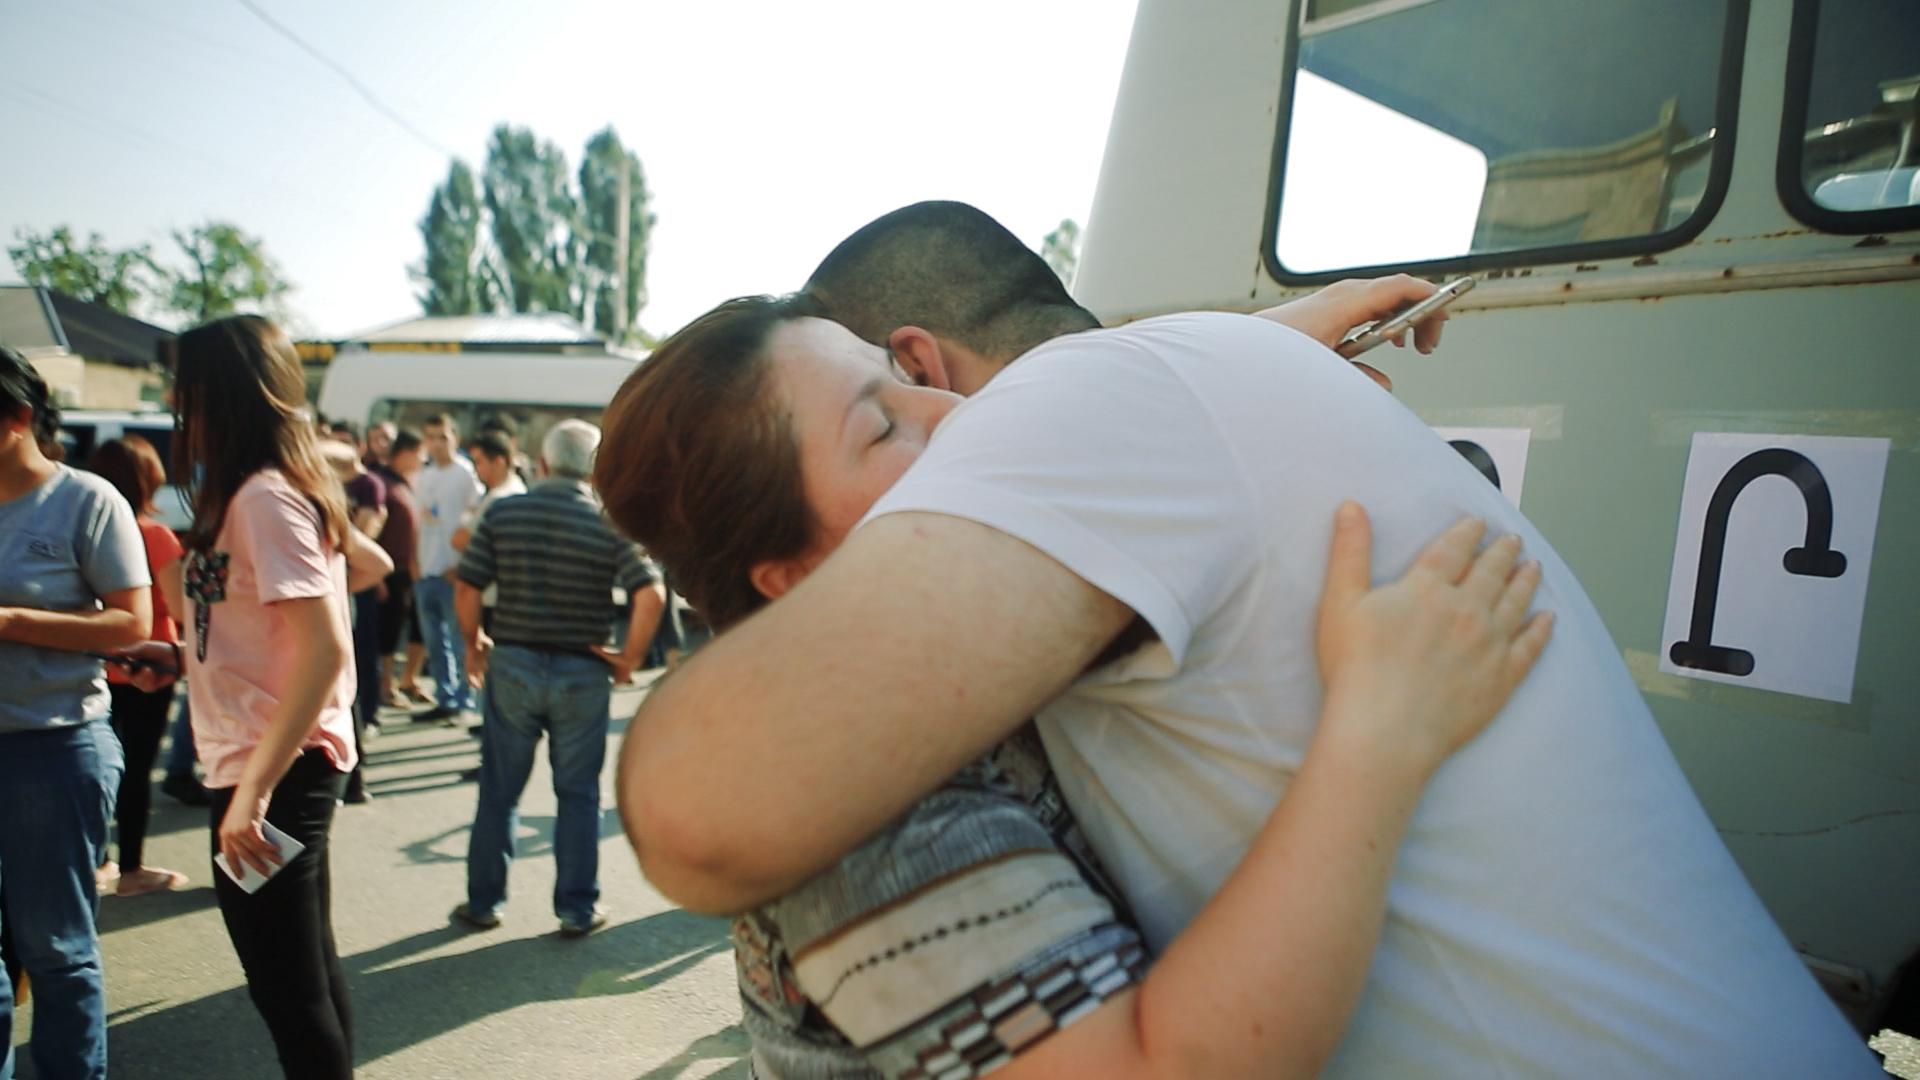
x=919, y=353
x=774, y=578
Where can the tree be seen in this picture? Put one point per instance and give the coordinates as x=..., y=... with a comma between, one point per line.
x=92, y=272
x=1061, y=249
x=459, y=279
x=600, y=225
x=226, y=272
x=530, y=201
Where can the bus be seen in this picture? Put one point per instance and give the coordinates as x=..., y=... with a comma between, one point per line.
x=1690, y=357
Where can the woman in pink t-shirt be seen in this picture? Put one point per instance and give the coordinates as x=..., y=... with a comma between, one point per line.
x=270, y=666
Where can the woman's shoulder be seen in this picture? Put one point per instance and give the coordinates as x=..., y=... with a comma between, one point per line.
x=963, y=827
x=269, y=487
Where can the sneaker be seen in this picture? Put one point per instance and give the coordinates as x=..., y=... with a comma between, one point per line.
x=438, y=713
x=578, y=928
x=464, y=915
x=357, y=796
x=370, y=732
x=184, y=789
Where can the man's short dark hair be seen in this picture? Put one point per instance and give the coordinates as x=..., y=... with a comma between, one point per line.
x=950, y=269
x=502, y=425
x=347, y=428
x=492, y=445
x=404, y=440
x=441, y=420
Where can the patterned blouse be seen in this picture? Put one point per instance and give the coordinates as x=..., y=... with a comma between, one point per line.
x=962, y=935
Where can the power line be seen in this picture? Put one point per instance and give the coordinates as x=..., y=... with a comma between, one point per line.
x=359, y=87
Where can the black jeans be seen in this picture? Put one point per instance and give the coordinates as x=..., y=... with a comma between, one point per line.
x=140, y=719
x=284, y=932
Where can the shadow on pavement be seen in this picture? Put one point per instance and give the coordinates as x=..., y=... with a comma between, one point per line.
x=533, y=840
x=129, y=912
x=729, y=1043
x=412, y=755
x=396, y=1007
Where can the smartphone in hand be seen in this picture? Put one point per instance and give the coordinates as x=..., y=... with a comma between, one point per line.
x=1366, y=337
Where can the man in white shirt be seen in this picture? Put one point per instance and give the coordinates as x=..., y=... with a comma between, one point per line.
x=1561, y=906
x=446, y=489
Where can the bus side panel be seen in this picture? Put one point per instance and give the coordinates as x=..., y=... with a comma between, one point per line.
x=1819, y=801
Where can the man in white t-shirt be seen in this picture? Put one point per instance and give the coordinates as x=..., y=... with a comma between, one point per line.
x=446, y=489
x=1561, y=905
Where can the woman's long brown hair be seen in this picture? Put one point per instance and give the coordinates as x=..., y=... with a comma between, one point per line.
x=240, y=405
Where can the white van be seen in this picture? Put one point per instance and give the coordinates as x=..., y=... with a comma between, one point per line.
x=1691, y=354
x=536, y=390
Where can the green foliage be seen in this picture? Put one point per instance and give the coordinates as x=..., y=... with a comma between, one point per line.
x=1061, y=249
x=526, y=238
x=535, y=217
x=226, y=272
x=92, y=271
x=458, y=279
x=600, y=213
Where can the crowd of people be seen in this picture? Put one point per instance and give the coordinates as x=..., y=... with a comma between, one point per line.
x=1059, y=723
x=313, y=554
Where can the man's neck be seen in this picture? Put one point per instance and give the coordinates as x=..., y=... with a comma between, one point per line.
x=22, y=469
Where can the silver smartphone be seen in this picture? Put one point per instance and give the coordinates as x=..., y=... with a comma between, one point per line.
x=1366, y=337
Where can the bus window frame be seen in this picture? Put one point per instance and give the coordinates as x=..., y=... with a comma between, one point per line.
x=1733, y=49
x=1793, y=134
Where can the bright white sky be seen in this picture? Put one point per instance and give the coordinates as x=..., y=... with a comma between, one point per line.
x=768, y=129
x=1367, y=186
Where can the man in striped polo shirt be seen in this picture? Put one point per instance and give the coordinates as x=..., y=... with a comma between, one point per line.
x=548, y=668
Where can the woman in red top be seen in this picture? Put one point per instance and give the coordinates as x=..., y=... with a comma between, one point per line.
x=132, y=465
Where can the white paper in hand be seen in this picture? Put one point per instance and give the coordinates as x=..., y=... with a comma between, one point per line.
x=250, y=879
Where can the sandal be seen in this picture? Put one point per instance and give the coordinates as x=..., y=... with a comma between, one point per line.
x=149, y=879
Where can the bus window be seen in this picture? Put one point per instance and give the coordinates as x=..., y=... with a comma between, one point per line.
x=1461, y=131
x=1850, y=154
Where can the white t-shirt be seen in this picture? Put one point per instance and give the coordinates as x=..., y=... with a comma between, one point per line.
x=512, y=485
x=1561, y=906
x=444, y=493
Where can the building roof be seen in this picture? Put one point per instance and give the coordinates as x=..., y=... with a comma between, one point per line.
x=541, y=328
x=34, y=319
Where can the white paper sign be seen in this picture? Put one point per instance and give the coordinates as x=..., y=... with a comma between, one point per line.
x=1770, y=566
x=1499, y=453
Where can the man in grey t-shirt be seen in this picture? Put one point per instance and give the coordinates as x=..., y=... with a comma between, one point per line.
x=63, y=546
x=73, y=581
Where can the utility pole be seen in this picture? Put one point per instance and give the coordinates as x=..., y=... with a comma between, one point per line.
x=622, y=226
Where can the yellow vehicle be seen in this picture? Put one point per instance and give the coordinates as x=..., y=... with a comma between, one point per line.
x=1691, y=356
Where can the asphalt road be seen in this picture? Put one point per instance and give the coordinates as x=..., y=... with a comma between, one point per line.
x=651, y=996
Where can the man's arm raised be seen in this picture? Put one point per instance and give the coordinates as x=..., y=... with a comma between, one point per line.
x=1326, y=316
x=734, y=777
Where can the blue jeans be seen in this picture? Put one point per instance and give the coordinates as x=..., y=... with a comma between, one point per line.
x=57, y=790
x=446, y=650
x=567, y=696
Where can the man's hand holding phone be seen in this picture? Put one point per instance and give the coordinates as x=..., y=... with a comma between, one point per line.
x=150, y=665
x=1331, y=315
